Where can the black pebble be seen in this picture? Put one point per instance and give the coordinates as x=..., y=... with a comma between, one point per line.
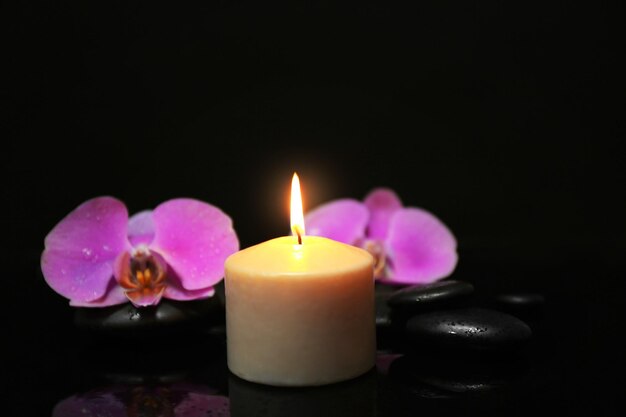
x=168, y=315
x=467, y=329
x=388, y=327
x=522, y=305
x=382, y=294
x=425, y=297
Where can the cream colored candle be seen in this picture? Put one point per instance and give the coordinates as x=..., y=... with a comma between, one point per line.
x=300, y=311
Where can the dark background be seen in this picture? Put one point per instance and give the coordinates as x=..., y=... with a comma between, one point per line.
x=503, y=119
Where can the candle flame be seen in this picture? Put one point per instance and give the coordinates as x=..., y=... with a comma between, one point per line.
x=297, y=214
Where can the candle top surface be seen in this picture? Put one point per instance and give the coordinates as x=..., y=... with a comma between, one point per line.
x=283, y=256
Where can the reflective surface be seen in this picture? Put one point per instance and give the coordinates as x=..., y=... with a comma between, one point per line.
x=185, y=374
x=201, y=386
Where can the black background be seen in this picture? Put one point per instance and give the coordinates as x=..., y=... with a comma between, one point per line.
x=504, y=119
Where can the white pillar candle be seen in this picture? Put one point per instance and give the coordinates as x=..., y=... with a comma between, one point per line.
x=300, y=311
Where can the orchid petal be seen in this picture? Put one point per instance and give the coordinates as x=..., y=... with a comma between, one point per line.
x=175, y=290
x=341, y=220
x=384, y=361
x=421, y=248
x=194, y=238
x=382, y=204
x=113, y=296
x=77, y=261
x=199, y=405
x=141, y=228
x=177, y=293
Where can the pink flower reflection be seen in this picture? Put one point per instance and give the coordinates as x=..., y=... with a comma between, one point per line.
x=179, y=400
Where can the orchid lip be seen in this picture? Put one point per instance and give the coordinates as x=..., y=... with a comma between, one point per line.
x=140, y=250
x=142, y=274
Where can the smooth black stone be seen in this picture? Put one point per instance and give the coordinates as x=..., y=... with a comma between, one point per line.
x=470, y=328
x=523, y=305
x=168, y=315
x=389, y=326
x=417, y=298
x=383, y=316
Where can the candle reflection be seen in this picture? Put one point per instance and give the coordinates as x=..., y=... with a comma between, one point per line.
x=355, y=397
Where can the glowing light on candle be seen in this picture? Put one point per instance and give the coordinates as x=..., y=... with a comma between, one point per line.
x=297, y=214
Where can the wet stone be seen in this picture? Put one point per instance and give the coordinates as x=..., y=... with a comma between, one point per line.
x=522, y=305
x=388, y=328
x=474, y=329
x=383, y=317
x=426, y=297
x=168, y=315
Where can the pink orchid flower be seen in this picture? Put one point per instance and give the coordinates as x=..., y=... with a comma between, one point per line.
x=410, y=245
x=97, y=257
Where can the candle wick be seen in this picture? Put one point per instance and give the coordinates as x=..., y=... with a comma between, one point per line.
x=298, y=232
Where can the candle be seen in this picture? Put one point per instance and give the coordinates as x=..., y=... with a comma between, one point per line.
x=300, y=309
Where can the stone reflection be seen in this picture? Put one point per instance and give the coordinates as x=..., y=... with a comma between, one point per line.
x=449, y=383
x=356, y=397
x=177, y=400
x=459, y=374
